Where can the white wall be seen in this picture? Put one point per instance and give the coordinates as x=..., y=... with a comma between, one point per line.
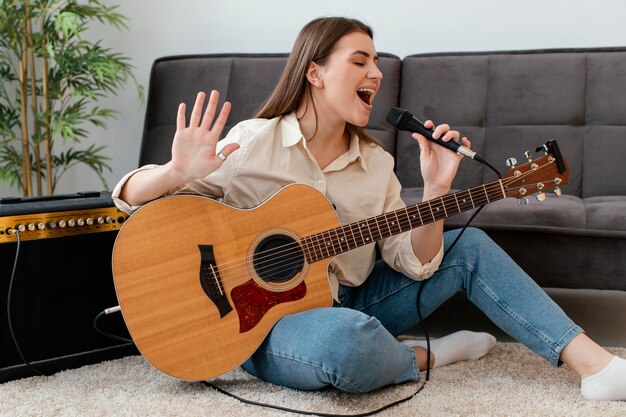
x=160, y=27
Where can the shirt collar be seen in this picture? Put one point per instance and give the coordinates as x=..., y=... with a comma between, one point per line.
x=291, y=135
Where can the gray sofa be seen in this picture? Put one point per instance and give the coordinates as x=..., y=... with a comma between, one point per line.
x=507, y=103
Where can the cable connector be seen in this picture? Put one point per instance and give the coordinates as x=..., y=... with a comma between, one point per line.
x=112, y=310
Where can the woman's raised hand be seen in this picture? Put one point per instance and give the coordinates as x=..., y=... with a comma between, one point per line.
x=194, y=147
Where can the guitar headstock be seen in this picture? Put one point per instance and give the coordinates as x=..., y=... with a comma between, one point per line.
x=548, y=172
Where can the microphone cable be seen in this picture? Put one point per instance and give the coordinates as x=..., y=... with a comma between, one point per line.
x=418, y=298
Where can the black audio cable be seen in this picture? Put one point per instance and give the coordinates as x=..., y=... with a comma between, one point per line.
x=105, y=333
x=418, y=298
x=9, y=318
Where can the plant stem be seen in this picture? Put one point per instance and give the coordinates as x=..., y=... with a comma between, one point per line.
x=35, y=106
x=46, y=110
x=23, y=74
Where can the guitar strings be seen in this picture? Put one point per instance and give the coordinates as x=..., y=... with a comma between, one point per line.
x=296, y=248
x=279, y=267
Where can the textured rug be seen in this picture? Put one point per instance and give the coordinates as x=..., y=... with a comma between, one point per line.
x=510, y=381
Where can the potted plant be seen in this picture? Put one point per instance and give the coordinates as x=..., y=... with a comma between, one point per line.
x=51, y=79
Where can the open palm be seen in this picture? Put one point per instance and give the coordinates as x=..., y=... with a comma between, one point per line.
x=194, y=146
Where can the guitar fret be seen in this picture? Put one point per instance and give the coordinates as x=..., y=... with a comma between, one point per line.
x=395, y=213
x=380, y=233
x=388, y=224
x=438, y=211
x=360, y=225
x=416, y=210
x=391, y=224
x=353, y=235
x=318, y=251
x=457, y=202
x=406, y=213
x=419, y=214
x=341, y=240
x=305, y=249
x=431, y=211
x=443, y=204
x=369, y=238
x=486, y=194
x=326, y=243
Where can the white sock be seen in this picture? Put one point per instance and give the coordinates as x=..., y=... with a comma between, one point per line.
x=607, y=385
x=458, y=346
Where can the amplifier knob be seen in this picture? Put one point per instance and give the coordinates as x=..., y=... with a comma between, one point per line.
x=100, y=220
x=109, y=219
x=62, y=223
x=31, y=226
x=89, y=221
x=81, y=222
x=52, y=225
x=41, y=226
x=71, y=222
x=21, y=227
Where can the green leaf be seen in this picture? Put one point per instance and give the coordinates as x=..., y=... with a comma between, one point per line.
x=69, y=23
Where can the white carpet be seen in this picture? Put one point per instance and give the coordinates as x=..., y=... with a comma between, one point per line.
x=510, y=381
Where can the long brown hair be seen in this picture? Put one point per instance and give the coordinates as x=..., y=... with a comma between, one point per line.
x=314, y=44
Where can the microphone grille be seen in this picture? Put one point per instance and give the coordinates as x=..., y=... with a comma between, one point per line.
x=399, y=117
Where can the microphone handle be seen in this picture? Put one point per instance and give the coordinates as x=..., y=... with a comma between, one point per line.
x=415, y=125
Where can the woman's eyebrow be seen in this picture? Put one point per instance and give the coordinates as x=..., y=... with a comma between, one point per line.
x=364, y=53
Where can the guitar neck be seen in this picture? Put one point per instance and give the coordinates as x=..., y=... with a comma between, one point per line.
x=351, y=236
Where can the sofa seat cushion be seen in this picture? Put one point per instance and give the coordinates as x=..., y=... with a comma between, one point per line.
x=606, y=213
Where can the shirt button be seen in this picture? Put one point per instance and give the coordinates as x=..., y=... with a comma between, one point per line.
x=320, y=181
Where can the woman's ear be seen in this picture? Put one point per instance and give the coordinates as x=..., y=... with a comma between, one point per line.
x=314, y=75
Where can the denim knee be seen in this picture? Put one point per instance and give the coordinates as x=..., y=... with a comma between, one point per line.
x=471, y=239
x=341, y=347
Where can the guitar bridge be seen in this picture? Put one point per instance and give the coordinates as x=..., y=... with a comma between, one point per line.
x=211, y=282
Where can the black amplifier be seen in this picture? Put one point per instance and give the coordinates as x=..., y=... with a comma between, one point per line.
x=62, y=280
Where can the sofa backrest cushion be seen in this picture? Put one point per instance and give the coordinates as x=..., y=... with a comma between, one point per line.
x=510, y=102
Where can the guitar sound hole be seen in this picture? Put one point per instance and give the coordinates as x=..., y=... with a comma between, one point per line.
x=278, y=258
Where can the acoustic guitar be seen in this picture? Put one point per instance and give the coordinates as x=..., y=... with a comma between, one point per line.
x=200, y=283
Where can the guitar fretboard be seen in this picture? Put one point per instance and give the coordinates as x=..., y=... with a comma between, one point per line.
x=351, y=236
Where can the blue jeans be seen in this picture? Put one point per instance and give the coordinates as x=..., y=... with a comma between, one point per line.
x=353, y=346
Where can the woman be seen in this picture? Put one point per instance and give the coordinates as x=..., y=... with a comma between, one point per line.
x=310, y=130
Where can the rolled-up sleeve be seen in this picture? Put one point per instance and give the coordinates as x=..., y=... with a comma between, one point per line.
x=406, y=262
x=117, y=190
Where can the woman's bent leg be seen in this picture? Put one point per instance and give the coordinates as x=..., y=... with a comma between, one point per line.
x=505, y=293
x=336, y=347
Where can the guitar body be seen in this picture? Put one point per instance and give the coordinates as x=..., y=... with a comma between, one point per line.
x=196, y=287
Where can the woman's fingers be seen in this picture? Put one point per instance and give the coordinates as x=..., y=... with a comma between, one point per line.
x=180, y=117
x=207, y=119
x=196, y=112
x=221, y=118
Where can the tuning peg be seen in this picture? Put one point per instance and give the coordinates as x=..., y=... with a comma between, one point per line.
x=511, y=162
x=523, y=201
x=540, y=196
x=557, y=191
x=543, y=148
x=527, y=155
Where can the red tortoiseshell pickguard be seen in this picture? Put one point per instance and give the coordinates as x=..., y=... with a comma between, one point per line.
x=252, y=302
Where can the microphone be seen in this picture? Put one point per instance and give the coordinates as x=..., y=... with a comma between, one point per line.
x=401, y=119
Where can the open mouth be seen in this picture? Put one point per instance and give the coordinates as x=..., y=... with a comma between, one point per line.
x=365, y=94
